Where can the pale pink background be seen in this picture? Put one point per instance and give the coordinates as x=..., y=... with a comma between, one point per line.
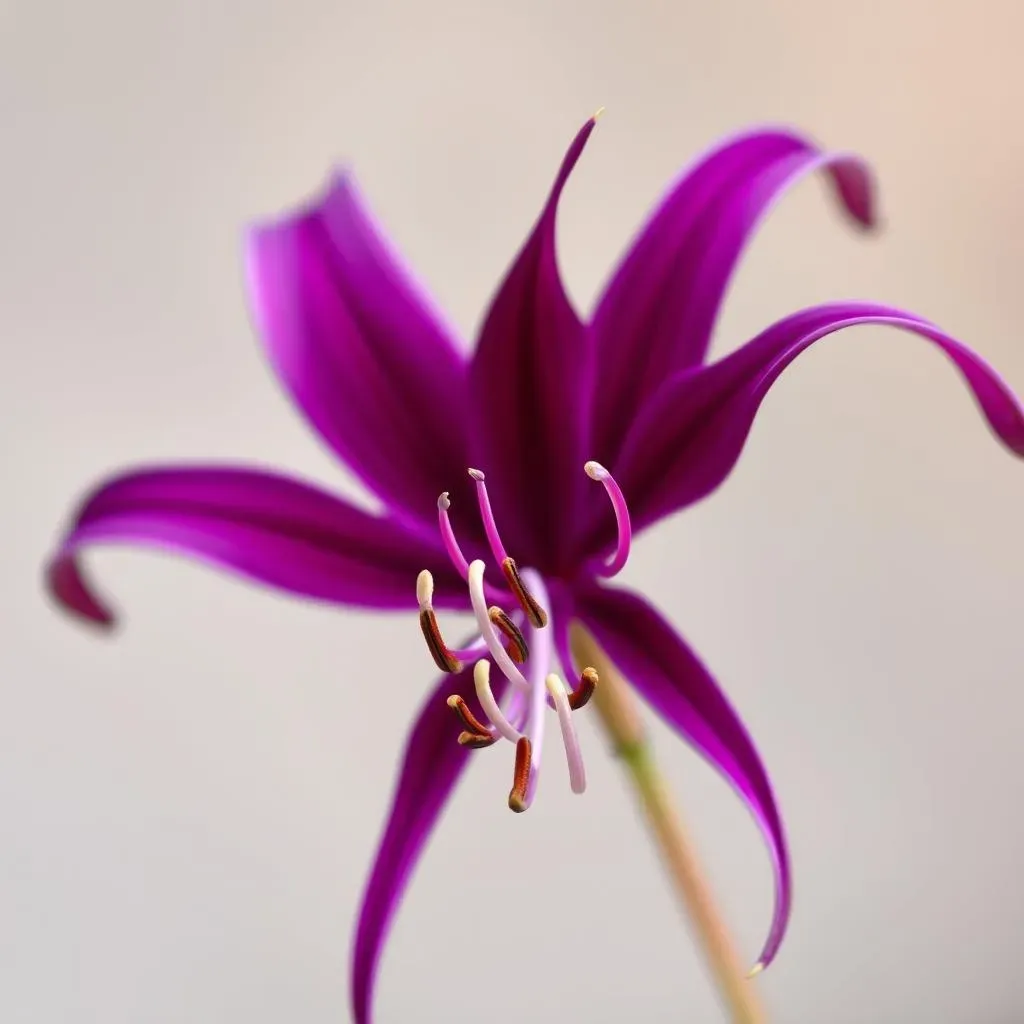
x=188, y=810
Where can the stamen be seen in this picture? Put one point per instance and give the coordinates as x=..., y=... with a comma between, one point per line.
x=469, y=721
x=443, y=657
x=573, y=757
x=584, y=689
x=487, y=631
x=486, y=513
x=482, y=679
x=517, y=797
x=597, y=472
x=534, y=612
x=451, y=544
x=516, y=647
x=475, y=742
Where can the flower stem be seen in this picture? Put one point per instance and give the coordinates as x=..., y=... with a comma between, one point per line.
x=620, y=716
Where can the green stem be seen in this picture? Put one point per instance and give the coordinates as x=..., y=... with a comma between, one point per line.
x=621, y=719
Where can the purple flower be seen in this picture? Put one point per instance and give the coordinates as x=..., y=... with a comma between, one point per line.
x=545, y=395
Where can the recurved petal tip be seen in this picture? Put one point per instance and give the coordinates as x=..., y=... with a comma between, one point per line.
x=855, y=183
x=69, y=589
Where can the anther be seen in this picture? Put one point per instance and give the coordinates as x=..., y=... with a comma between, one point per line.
x=521, y=777
x=584, y=689
x=534, y=612
x=439, y=650
x=516, y=646
x=476, y=742
x=470, y=722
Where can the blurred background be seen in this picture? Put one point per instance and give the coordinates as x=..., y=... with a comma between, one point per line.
x=189, y=807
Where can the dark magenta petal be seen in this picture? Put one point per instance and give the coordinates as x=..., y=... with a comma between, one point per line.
x=433, y=763
x=689, y=436
x=531, y=380
x=362, y=353
x=655, y=659
x=658, y=311
x=266, y=527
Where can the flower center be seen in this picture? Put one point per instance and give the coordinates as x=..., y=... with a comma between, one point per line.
x=524, y=660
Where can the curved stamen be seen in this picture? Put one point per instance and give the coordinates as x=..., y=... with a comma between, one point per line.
x=442, y=654
x=584, y=689
x=487, y=631
x=482, y=681
x=521, y=782
x=516, y=645
x=573, y=757
x=597, y=472
x=533, y=608
x=469, y=721
x=538, y=668
x=451, y=544
x=487, y=514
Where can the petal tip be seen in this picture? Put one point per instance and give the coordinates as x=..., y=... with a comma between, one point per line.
x=67, y=587
x=855, y=183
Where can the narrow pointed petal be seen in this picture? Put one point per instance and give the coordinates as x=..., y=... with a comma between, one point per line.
x=659, y=309
x=433, y=764
x=655, y=659
x=269, y=528
x=531, y=379
x=363, y=354
x=690, y=435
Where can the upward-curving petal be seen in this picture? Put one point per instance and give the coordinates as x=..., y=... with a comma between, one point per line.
x=531, y=383
x=433, y=763
x=654, y=658
x=658, y=311
x=266, y=527
x=689, y=436
x=363, y=354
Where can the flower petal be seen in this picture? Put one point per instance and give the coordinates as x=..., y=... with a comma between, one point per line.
x=269, y=528
x=670, y=676
x=363, y=355
x=531, y=385
x=658, y=311
x=690, y=435
x=433, y=764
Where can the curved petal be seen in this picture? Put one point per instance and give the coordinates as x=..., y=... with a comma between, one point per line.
x=658, y=311
x=269, y=528
x=690, y=435
x=531, y=386
x=653, y=657
x=433, y=763
x=363, y=355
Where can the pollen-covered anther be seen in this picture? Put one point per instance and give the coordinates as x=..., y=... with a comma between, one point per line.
x=474, y=741
x=516, y=646
x=534, y=612
x=584, y=689
x=521, y=777
x=439, y=650
x=470, y=722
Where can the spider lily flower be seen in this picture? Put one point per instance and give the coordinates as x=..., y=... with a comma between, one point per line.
x=551, y=408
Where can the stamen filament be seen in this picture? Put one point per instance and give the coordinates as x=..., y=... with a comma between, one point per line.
x=573, y=757
x=487, y=514
x=482, y=680
x=451, y=544
x=597, y=472
x=487, y=631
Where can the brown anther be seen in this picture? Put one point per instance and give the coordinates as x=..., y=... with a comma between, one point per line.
x=516, y=647
x=584, y=689
x=537, y=616
x=469, y=721
x=474, y=741
x=521, y=777
x=439, y=651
